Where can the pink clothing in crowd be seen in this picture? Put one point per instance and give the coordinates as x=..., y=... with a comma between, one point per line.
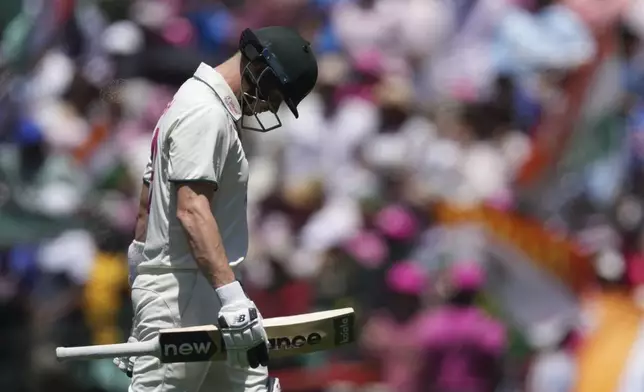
x=396, y=222
x=396, y=348
x=407, y=277
x=467, y=276
x=368, y=249
x=462, y=351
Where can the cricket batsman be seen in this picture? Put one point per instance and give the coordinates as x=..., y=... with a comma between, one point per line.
x=191, y=231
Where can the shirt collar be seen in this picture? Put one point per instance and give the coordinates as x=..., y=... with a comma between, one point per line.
x=216, y=82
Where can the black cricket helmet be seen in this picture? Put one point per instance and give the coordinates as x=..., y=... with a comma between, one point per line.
x=290, y=70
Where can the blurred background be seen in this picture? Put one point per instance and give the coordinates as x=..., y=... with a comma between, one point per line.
x=468, y=175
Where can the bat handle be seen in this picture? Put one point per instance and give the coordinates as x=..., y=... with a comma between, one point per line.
x=108, y=350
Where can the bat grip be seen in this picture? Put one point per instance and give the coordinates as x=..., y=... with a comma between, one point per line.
x=108, y=350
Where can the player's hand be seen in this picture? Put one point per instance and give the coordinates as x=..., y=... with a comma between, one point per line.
x=242, y=328
x=126, y=364
x=134, y=258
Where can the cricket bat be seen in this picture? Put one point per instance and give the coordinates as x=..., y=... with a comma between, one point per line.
x=287, y=336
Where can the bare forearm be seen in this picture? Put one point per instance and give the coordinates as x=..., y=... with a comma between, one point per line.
x=205, y=241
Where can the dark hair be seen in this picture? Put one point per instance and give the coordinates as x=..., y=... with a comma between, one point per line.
x=402, y=306
x=628, y=40
x=541, y=4
x=486, y=119
x=463, y=298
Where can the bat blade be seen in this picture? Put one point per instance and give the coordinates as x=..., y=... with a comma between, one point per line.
x=287, y=336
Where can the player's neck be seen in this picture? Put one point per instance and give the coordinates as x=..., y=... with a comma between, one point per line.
x=229, y=70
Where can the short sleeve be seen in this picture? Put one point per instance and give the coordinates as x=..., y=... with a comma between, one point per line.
x=198, y=147
x=147, y=174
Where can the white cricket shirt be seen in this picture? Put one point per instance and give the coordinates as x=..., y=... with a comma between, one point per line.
x=196, y=139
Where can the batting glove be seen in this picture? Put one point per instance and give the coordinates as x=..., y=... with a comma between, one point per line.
x=273, y=385
x=134, y=258
x=126, y=364
x=242, y=328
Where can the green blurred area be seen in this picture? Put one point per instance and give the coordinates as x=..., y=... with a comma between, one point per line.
x=9, y=9
x=518, y=348
x=18, y=226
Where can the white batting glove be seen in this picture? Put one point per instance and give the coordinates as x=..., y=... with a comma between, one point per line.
x=273, y=385
x=126, y=364
x=134, y=258
x=242, y=328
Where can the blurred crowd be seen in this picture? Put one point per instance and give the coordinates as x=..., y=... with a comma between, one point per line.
x=435, y=127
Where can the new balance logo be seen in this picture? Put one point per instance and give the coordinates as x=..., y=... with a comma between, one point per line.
x=241, y=318
x=287, y=342
x=186, y=349
x=187, y=346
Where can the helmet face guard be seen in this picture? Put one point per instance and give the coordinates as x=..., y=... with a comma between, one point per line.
x=268, y=88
